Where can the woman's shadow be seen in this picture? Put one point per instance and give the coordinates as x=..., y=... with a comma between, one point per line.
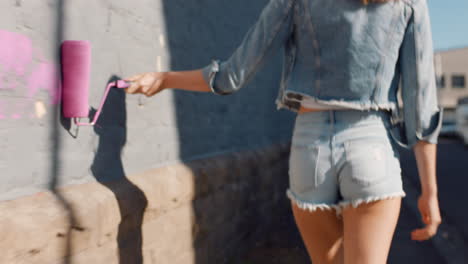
x=108, y=169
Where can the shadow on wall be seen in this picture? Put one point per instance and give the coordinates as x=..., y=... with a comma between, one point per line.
x=56, y=141
x=107, y=165
x=108, y=169
x=227, y=219
x=198, y=32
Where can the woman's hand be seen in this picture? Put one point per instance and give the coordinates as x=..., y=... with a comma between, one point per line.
x=429, y=208
x=149, y=83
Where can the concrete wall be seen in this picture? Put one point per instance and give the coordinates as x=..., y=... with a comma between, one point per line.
x=135, y=133
x=204, y=211
x=100, y=194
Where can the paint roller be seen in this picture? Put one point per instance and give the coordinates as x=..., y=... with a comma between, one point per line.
x=76, y=68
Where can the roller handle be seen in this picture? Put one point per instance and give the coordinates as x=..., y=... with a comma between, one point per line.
x=121, y=84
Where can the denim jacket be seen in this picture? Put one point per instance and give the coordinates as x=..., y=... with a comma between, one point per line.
x=344, y=53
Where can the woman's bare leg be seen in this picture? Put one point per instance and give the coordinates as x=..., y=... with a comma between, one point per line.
x=368, y=231
x=322, y=233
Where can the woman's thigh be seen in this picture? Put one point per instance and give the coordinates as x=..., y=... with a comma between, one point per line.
x=322, y=234
x=371, y=186
x=368, y=231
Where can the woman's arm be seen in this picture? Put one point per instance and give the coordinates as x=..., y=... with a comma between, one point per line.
x=262, y=41
x=425, y=153
x=152, y=83
x=187, y=80
x=266, y=38
x=422, y=114
x=428, y=204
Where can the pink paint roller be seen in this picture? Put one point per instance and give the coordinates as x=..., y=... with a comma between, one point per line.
x=76, y=68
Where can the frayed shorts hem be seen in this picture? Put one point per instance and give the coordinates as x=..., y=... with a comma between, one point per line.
x=310, y=206
x=305, y=205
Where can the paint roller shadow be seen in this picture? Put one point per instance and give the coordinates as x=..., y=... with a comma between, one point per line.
x=67, y=124
x=108, y=169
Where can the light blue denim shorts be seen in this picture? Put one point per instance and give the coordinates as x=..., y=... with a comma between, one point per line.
x=343, y=157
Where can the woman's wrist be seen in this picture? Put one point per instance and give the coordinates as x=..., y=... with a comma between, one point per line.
x=426, y=162
x=429, y=187
x=165, y=76
x=429, y=191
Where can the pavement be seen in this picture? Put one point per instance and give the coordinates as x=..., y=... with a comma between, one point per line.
x=451, y=240
x=449, y=246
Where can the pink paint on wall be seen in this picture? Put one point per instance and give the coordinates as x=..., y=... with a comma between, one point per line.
x=15, y=55
x=44, y=76
x=24, y=70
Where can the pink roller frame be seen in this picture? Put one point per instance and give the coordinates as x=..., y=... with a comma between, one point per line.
x=116, y=84
x=76, y=67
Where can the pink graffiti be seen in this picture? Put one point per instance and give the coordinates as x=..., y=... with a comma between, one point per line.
x=24, y=69
x=45, y=76
x=15, y=55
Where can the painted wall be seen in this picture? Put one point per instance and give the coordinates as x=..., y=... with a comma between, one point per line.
x=134, y=134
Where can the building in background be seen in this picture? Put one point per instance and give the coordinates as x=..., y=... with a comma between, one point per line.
x=452, y=73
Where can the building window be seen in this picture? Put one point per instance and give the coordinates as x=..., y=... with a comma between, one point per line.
x=458, y=81
x=441, y=81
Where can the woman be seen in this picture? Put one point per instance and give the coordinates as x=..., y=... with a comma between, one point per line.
x=343, y=63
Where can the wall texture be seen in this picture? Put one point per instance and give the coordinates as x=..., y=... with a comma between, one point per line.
x=238, y=198
x=153, y=181
x=135, y=133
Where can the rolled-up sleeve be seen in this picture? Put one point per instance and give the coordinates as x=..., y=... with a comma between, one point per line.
x=422, y=114
x=264, y=39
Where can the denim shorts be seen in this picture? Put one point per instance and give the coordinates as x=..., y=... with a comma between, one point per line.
x=343, y=157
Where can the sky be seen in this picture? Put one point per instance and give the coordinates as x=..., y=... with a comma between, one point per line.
x=449, y=23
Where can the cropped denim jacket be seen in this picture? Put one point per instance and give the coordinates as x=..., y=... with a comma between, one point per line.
x=344, y=53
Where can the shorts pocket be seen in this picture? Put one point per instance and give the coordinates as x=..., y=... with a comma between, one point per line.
x=304, y=173
x=366, y=160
